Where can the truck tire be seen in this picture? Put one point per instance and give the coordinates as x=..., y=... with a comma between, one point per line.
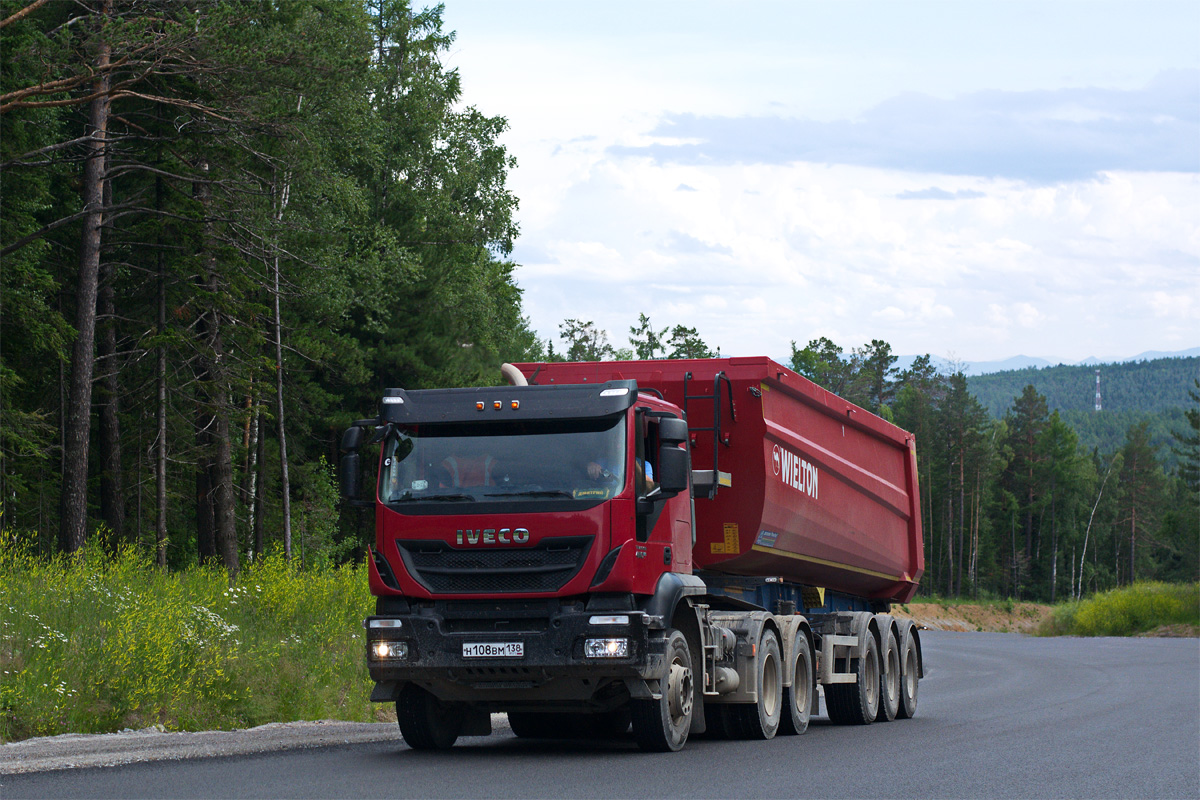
x=889, y=680
x=662, y=725
x=425, y=722
x=761, y=720
x=857, y=703
x=797, y=698
x=909, y=673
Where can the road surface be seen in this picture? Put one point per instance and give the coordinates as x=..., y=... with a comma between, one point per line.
x=1000, y=715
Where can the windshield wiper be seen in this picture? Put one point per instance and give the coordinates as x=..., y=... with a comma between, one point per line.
x=409, y=497
x=533, y=493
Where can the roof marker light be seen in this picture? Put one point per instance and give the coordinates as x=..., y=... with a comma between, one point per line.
x=516, y=404
x=479, y=406
x=496, y=404
x=624, y=390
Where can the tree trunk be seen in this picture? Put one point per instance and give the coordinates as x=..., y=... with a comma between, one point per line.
x=219, y=455
x=77, y=426
x=961, y=516
x=259, y=487
x=112, y=496
x=285, y=489
x=160, y=465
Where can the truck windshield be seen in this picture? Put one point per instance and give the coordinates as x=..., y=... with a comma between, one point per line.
x=528, y=461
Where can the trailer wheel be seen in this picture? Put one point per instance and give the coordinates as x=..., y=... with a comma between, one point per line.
x=909, y=672
x=761, y=720
x=889, y=681
x=662, y=725
x=797, y=698
x=857, y=703
x=425, y=722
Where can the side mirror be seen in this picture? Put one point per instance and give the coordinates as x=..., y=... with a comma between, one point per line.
x=672, y=430
x=350, y=467
x=674, y=468
x=352, y=439
x=351, y=486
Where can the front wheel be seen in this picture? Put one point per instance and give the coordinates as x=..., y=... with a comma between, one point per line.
x=662, y=725
x=425, y=722
x=797, y=698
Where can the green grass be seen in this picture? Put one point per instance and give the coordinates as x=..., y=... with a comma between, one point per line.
x=95, y=643
x=1128, y=611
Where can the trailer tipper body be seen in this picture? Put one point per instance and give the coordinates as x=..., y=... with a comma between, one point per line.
x=688, y=546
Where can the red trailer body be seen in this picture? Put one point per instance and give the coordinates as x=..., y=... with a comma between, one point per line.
x=811, y=488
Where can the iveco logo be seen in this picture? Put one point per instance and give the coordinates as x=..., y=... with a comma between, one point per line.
x=493, y=536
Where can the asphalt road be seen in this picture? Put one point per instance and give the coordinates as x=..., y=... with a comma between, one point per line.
x=1000, y=715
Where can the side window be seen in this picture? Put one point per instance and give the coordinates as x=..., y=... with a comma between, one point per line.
x=646, y=469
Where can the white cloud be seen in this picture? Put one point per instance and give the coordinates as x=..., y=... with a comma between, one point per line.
x=967, y=200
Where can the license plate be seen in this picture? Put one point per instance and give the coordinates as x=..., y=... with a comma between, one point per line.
x=493, y=649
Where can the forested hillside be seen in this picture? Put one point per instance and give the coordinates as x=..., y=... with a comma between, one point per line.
x=1136, y=386
x=224, y=227
x=1150, y=392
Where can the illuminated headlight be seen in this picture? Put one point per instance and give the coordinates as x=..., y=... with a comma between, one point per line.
x=606, y=648
x=387, y=650
x=609, y=619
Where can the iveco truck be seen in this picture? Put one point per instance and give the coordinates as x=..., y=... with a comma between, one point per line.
x=684, y=547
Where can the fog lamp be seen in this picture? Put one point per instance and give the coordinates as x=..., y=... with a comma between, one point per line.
x=388, y=650
x=606, y=648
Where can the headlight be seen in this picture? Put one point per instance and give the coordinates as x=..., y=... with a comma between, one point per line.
x=388, y=650
x=606, y=648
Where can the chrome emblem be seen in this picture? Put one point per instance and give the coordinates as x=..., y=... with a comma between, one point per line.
x=492, y=536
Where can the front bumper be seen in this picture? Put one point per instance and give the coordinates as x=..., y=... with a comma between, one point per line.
x=553, y=666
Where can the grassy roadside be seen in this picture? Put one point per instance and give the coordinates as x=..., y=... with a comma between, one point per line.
x=96, y=643
x=1143, y=608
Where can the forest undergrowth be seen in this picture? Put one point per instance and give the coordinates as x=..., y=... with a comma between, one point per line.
x=99, y=642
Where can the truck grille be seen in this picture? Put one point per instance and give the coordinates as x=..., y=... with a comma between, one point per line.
x=546, y=567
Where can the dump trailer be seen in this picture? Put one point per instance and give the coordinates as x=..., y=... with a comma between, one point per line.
x=686, y=547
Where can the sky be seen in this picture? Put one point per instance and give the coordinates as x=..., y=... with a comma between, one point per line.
x=975, y=180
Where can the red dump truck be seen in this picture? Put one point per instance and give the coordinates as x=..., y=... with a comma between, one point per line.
x=684, y=546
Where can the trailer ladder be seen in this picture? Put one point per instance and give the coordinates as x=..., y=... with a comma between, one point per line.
x=702, y=479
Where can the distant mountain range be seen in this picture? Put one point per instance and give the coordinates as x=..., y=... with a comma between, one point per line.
x=971, y=368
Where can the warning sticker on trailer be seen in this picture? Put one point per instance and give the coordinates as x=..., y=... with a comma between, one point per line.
x=766, y=539
x=730, y=545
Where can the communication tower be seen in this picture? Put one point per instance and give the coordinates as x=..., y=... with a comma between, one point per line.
x=1097, y=390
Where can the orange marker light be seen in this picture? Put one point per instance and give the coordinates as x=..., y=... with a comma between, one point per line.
x=479, y=406
x=516, y=404
x=496, y=405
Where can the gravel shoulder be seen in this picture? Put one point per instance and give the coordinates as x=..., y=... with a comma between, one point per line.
x=112, y=749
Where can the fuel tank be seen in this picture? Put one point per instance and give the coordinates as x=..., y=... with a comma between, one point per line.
x=791, y=481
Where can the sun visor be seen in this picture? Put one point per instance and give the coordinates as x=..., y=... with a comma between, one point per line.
x=507, y=403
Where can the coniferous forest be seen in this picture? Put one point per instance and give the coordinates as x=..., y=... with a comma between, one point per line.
x=225, y=227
